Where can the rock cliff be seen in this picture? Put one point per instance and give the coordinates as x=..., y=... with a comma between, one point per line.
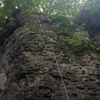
x=27, y=66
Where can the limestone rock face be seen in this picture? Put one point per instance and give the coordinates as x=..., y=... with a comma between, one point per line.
x=28, y=69
x=17, y=19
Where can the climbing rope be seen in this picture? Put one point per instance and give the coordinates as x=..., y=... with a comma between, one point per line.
x=58, y=66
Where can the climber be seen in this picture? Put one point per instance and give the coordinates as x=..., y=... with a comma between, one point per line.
x=45, y=20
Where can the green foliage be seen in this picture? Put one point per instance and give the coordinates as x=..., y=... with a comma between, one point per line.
x=77, y=45
x=62, y=25
x=23, y=85
x=63, y=12
x=9, y=6
x=67, y=8
x=99, y=56
x=90, y=17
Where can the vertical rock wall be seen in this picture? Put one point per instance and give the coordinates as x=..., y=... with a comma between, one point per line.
x=29, y=69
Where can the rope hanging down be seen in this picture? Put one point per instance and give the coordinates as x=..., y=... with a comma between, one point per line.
x=58, y=67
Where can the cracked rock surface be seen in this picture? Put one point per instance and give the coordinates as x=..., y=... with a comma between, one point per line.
x=28, y=69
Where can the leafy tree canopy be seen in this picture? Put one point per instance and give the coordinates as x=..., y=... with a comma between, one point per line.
x=84, y=11
x=90, y=17
x=67, y=8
